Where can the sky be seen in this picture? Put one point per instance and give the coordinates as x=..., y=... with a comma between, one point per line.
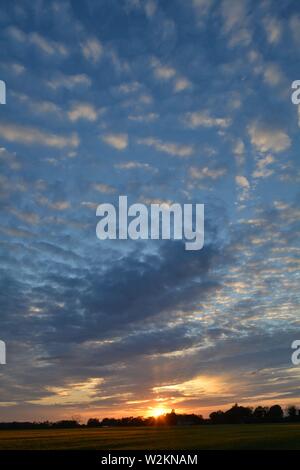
x=185, y=101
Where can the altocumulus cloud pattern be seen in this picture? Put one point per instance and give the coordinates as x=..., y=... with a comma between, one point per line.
x=174, y=101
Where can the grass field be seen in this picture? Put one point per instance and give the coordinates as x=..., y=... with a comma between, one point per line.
x=269, y=436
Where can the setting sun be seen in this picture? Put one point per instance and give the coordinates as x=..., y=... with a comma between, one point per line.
x=158, y=412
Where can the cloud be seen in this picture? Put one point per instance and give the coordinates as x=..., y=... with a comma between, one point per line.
x=120, y=65
x=150, y=200
x=201, y=9
x=130, y=87
x=235, y=22
x=145, y=98
x=202, y=6
x=55, y=205
x=243, y=186
x=241, y=37
x=273, y=29
x=30, y=218
x=170, y=148
x=262, y=167
x=162, y=72
x=197, y=173
x=10, y=159
x=73, y=394
x=14, y=232
x=166, y=73
x=69, y=81
x=92, y=50
x=182, y=84
x=17, y=68
x=267, y=139
x=204, y=119
x=104, y=188
x=118, y=141
x=89, y=204
x=233, y=13
x=131, y=291
x=132, y=165
x=149, y=117
x=242, y=182
x=16, y=33
x=46, y=46
x=150, y=8
x=239, y=152
x=6, y=187
x=38, y=106
x=33, y=136
x=273, y=75
x=82, y=111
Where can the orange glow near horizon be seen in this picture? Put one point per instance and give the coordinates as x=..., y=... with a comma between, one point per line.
x=156, y=412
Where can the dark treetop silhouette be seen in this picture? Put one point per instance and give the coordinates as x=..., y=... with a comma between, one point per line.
x=235, y=415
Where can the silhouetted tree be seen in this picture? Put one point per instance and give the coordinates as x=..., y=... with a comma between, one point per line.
x=150, y=421
x=109, y=422
x=189, y=419
x=66, y=423
x=171, y=418
x=275, y=414
x=217, y=417
x=292, y=413
x=238, y=415
x=93, y=423
x=260, y=413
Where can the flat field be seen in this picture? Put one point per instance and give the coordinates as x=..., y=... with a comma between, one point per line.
x=263, y=436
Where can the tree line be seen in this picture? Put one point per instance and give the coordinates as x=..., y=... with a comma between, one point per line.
x=235, y=415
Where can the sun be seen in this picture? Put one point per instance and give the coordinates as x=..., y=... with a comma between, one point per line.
x=156, y=412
